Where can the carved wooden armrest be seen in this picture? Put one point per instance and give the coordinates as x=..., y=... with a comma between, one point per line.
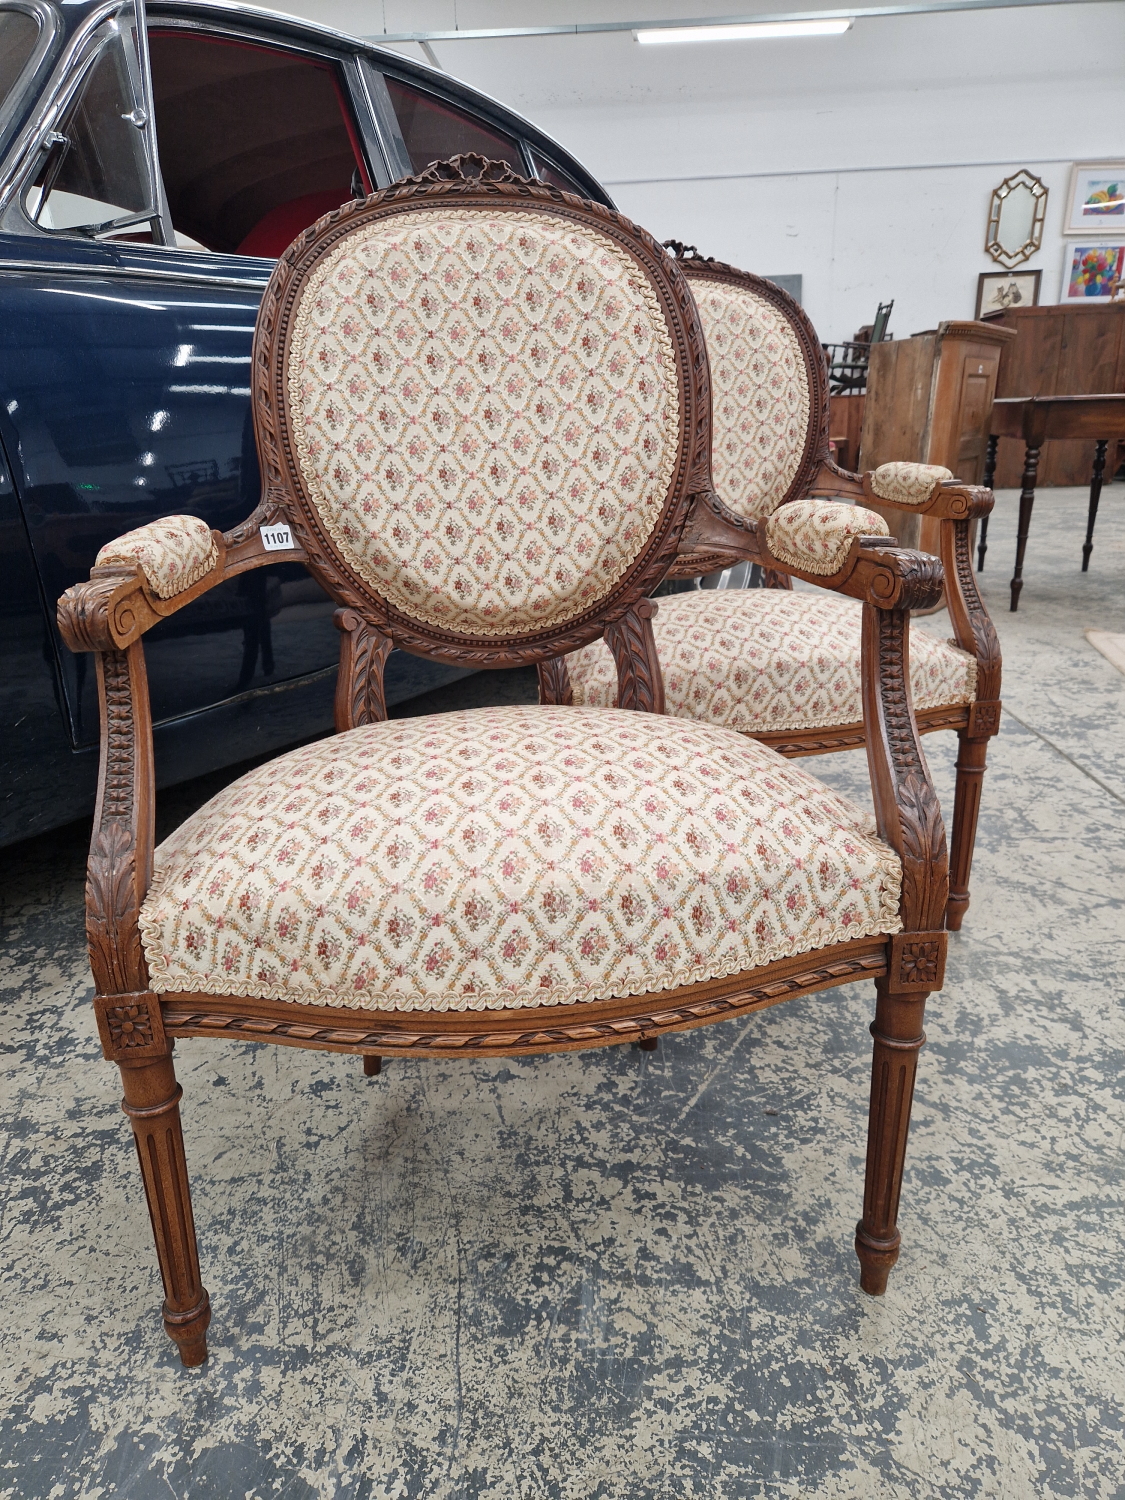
x=142, y=578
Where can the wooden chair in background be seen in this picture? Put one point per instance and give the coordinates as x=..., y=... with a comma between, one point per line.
x=482, y=410
x=784, y=667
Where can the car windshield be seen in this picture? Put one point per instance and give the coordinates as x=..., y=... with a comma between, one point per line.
x=18, y=34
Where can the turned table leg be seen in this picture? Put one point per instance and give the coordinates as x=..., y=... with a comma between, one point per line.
x=1027, y=500
x=989, y=474
x=1095, y=495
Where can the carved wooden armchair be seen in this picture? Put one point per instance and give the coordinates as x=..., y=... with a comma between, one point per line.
x=785, y=667
x=482, y=408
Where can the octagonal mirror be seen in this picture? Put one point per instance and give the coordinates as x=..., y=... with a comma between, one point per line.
x=1015, y=219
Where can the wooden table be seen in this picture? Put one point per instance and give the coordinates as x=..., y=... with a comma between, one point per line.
x=1035, y=419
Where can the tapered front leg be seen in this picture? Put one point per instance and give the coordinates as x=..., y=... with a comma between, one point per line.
x=152, y=1102
x=898, y=1034
x=971, y=761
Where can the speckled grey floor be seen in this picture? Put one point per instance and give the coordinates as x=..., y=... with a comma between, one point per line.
x=617, y=1274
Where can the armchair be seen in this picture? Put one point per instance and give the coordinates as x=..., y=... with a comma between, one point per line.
x=784, y=667
x=482, y=410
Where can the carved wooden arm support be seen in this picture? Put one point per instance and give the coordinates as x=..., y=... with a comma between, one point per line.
x=120, y=863
x=116, y=605
x=906, y=806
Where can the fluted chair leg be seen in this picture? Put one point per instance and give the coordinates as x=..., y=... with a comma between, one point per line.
x=898, y=1034
x=971, y=760
x=152, y=1102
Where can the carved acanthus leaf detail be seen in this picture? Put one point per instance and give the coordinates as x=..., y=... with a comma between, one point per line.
x=112, y=933
x=554, y=682
x=640, y=682
x=360, y=695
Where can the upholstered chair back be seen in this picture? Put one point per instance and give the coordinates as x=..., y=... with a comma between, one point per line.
x=768, y=388
x=478, y=406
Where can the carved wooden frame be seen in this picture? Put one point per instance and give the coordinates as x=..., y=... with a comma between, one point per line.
x=955, y=505
x=499, y=189
x=110, y=614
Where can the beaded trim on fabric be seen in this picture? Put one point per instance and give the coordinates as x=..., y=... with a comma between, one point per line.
x=487, y=414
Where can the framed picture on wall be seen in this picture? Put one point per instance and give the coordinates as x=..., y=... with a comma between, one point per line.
x=1096, y=203
x=1090, y=271
x=999, y=290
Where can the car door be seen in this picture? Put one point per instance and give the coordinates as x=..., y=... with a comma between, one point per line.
x=126, y=361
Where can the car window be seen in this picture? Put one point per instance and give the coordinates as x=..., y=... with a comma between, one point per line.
x=18, y=34
x=95, y=171
x=255, y=142
x=551, y=174
x=433, y=130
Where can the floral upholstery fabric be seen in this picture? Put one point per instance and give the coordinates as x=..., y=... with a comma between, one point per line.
x=816, y=534
x=768, y=659
x=173, y=553
x=510, y=857
x=486, y=411
x=908, y=484
x=759, y=394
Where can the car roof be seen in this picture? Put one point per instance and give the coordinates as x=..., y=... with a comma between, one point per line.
x=74, y=13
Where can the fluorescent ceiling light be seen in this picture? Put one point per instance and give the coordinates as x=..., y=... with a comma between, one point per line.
x=748, y=32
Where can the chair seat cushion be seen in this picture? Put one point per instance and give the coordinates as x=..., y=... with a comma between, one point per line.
x=510, y=857
x=769, y=659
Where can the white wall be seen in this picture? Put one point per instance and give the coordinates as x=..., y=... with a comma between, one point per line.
x=849, y=160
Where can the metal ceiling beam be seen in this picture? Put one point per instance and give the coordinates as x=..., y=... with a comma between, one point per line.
x=589, y=28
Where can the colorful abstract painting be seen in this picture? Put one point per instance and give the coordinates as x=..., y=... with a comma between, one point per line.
x=1093, y=269
x=1103, y=199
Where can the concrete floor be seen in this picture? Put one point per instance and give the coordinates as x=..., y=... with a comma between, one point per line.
x=617, y=1274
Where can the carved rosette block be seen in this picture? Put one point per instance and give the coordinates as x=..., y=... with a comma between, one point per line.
x=984, y=720
x=917, y=961
x=130, y=1026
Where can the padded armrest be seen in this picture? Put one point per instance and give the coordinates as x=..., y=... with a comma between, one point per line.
x=172, y=553
x=816, y=535
x=907, y=484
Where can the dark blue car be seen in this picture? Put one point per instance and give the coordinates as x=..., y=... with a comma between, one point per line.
x=151, y=167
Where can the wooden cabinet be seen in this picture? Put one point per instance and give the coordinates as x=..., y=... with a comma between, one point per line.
x=929, y=400
x=1069, y=350
x=845, y=423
